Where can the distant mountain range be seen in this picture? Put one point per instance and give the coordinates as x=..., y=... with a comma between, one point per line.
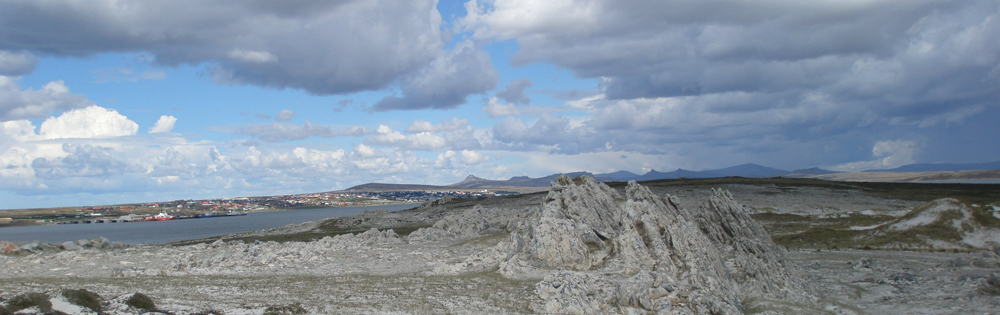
x=749, y=170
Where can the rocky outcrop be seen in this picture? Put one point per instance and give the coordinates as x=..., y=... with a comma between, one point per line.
x=236, y=257
x=8, y=247
x=752, y=259
x=471, y=223
x=600, y=252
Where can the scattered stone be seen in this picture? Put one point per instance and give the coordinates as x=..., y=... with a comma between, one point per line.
x=71, y=246
x=32, y=247
x=866, y=263
x=8, y=247
x=291, y=309
x=992, y=285
x=134, y=271
x=901, y=277
x=99, y=243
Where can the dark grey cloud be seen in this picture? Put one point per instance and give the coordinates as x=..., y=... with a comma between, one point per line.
x=869, y=51
x=832, y=77
x=446, y=82
x=322, y=47
x=514, y=93
x=17, y=63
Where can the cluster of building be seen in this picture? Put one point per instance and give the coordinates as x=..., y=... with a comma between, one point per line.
x=209, y=207
x=349, y=199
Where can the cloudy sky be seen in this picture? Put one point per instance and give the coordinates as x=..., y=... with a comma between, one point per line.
x=114, y=101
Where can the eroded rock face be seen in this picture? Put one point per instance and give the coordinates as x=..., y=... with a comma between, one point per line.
x=752, y=259
x=600, y=252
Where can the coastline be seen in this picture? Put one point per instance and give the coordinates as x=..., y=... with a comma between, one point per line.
x=35, y=222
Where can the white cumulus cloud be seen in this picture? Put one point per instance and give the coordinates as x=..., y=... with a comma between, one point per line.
x=164, y=124
x=496, y=109
x=89, y=122
x=890, y=154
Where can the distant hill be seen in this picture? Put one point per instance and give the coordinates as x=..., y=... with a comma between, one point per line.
x=750, y=170
x=474, y=182
x=745, y=170
x=616, y=176
x=654, y=175
x=391, y=187
x=943, y=167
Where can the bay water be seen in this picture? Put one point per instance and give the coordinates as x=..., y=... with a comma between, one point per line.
x=155, y=232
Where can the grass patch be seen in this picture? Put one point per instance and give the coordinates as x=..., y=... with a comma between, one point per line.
x=140, y=301
x=778, y=217
x=820, y=237
x=975, y=193
x=27, y=300
x=84, y=298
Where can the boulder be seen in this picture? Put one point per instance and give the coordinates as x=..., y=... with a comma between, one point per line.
x=32, y=247
x=99, y=243
x=68, y=245
x=865, y=263
x=8, y=247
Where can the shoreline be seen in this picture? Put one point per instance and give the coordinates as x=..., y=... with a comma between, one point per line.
x=23, y=223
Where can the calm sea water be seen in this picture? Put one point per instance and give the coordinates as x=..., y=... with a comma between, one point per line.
x=178, y=230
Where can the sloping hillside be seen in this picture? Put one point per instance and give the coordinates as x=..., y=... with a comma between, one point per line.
x=943, y=223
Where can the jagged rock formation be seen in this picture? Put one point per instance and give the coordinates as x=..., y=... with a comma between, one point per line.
x=600, y=252
x=754, y=261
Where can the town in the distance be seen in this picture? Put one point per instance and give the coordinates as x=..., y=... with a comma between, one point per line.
x=209, y=208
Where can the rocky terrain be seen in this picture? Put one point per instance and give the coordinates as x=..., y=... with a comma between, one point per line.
x=580, y=248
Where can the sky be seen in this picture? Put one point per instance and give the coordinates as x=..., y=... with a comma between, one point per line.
x=120, y=101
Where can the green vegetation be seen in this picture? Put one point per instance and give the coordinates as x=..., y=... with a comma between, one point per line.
x=328, y=227
x=974, y=193
x=27, y=300
x=83, y=298
x=140, y=301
